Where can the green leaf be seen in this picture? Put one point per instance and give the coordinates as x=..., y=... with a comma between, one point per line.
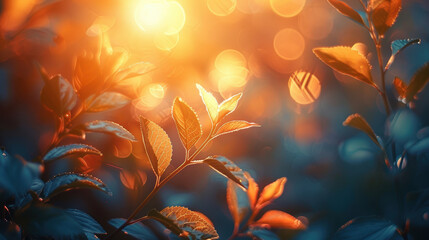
x=58, y=95
x=87, y=223
x=137, y=230
x=227, y=168
x=105, y=101
x=187, y=123
x=346, y=10
x=358, y=122
x=78, y=150
x=68, y=181
x=384, y=14
x=195, y=224
x=399, y=45
x=418, y=82
x=110, y=128
x=368, y=228
x=347, y=61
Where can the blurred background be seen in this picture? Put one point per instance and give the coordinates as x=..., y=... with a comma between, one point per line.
x=262, y=48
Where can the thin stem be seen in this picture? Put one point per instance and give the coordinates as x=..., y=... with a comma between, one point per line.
x=249, y=221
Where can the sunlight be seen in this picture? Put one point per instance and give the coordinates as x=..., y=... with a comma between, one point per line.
x=304, y=87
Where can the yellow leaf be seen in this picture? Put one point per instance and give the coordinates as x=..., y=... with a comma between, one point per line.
x=210, y=102
x=228, y=106
x=279, y=219
x=236, y=206
x=384, y=14
x=187, y=123
x=234, y=126
x=358, y=122
x=346, y=61
x=157, y=145
x=252, y=190
x=271, y=192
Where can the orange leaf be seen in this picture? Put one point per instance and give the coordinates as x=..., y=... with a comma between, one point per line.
x=252, y=190
x=228, y=106
x=279, y=219
x=234, y=126
x=236, y=204
x=358, y=122
x=384, y=14
x=346, y=10
x=401, y=88
x=271, y=192
x=187, y=123
x=157, y=145
x=210, y=102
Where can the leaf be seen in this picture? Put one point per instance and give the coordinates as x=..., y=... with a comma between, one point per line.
x=71, y=149
x=347, y=61
x=262, y=234
x=368, y=228
x=234, y=126
x=87, y=223
x=358, y=122
x=48, y=222
x=346, y=10
x=228, y=106
x=58, y=95
x=238, y=202
x=187, y=123
x=401, y=89
x=228, y=169
x=210, y=102
x=132, y=179
x=137, y=230
x=134, y=70
x=384, y=14
x=271, y=192
x=399, y=45
x=109, y=127
x=194, y=223
x=68, y=181
x=418, y=82
x=279, y=219
x=157, y=145
x=170, y=224
x=417, y=205
x=252, y=190
x=105, y=101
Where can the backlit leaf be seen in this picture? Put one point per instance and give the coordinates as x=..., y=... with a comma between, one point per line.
x=234, y=126
x=134, y=70
x=109, y=127
x=399, y=45
x=210, y=102
x=238, y=202
x=252, y=190
x=68, y=181
x=384, y=14
x=346, y=10
x=418, y=82
x=271, y=192
x=157, y=145
x=401, y=88
x=228, y=169
x=228, y=106
x=77, y=150
x=187, y=123
x=194, y=223
x=88, y=224
x=368, y=228
x=105, y=101
x=358, y=122
x=58, y=95
x=279, y=219
x=137, y=230
x=133, y=179
x=263, y=234
x=346, y=61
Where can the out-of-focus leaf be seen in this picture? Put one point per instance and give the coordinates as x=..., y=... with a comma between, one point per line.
x=358, y=122
x=346, y=10
x=369, y=228
x=187, y=123
x=399, y=45
x=109, y=127
x=210, y=102
x=78, y=150
x=58, y=95
x=252, y=190
x=87, y=223
x=36, y=186
x=195, y=224
x=271, y=192
x=68, y=181
x=402, y=126
x=105, y=101
x=417, y=205
x=238, y=203
x=228, y=106
x=358, y=150
x=347, y=61
x=134, y=70
x=157, y=145
x=279, y=219
x=421, y=146
x=263, y=234
x=228, y=169
x=133, y=179
x=136, y=230
x=44, y=221
x=234, y=126
x=401, y=89
x=9, y=230
x=418, y=82
x=384, y=14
